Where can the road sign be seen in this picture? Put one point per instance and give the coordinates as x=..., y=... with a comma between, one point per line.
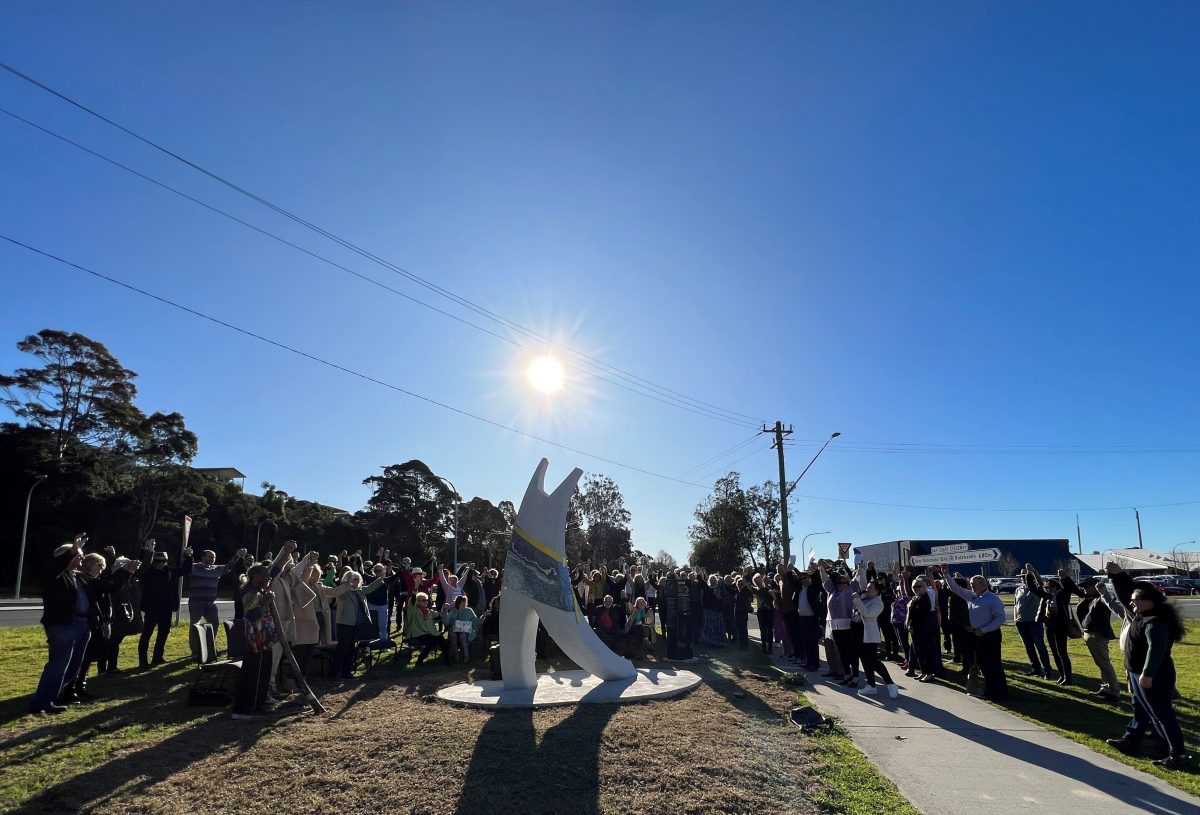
x=967, y=556
x=945, y=550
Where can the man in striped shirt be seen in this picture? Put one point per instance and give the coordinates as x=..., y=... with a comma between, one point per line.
x=202, y=590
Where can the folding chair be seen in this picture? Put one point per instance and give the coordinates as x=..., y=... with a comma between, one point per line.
x=215, y=676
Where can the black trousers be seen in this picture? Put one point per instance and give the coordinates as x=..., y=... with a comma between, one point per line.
x=891, y=646
x=159, y=621
x=112, y=649
x=964, y=648
x=253, y=680
x=906, y=649
x=1056, y=638
x=810, y=641
x=741, y=629
x=847, y=645
x=766, y=629
x=343, y=655
x=868, y=654
x=427, y=642
x=987, y=658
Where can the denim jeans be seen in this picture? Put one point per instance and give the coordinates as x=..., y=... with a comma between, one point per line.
x=1035, y=645
x=67, y=644
x=380, y=617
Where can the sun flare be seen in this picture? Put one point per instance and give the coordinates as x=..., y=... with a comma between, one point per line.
x=545, y=374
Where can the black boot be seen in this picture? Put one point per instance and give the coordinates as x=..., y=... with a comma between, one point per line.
x=1124, y=745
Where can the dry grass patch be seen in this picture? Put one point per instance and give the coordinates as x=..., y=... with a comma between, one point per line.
x=725, y=747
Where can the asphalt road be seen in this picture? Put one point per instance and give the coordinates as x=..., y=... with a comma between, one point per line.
x=13, y=614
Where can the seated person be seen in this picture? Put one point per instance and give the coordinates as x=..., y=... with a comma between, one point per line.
x=419, y=630
x=640, y=622
x=608, y=620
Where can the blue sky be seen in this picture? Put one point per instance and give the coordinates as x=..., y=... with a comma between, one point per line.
x=928, y=225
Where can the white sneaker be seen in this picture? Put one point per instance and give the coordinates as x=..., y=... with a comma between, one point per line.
x=869, y=690
x=893, y=691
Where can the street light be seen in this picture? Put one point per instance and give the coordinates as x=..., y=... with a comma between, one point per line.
x=25, y=528
x=810, y=464
x=785, y=490
x=805, y=538
x=258, y=534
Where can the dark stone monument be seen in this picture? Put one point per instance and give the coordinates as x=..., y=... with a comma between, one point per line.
x=678, y=619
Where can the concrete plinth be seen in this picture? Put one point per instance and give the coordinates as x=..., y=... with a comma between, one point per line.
x=571, y=688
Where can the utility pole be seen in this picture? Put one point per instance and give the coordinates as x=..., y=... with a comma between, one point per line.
x=783, y=490
x=1078, y=534
x=1137, y=517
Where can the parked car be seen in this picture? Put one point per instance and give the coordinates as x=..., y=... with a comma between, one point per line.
x=1189, y=585
x=1004, y=585
x=1169, y=587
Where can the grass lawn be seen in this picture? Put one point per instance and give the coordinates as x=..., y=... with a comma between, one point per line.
x=1075, y=713
x=725, y=747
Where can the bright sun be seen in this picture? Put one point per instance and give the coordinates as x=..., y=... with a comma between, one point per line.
x=545, y=374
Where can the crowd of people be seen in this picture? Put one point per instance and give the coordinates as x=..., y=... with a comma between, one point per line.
x=862, y=617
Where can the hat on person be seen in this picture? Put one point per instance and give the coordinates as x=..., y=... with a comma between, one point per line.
x=160, y=556
x=1088, y=581
x=417, y=570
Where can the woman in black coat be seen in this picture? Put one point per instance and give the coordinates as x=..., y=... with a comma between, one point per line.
x=923, y=624
x=1154, y=629
x=1055, y=614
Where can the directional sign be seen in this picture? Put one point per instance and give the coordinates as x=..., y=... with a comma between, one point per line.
x=945, y=550
x=969, y=556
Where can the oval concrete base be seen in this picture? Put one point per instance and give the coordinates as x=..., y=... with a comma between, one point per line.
x=571, y=688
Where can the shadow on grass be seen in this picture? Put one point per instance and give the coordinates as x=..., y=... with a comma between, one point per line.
x=1133, y=791
x=203, y=732
x=560, y=773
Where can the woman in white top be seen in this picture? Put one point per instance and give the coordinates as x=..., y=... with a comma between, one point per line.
x=869, y=606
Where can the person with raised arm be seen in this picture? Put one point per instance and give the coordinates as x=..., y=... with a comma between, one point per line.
x=202, y=587
x=1025, y=615
x=869, y=605
x=982, y=646
x=1054, y=613
x=841, y=611
x=1096, y=620
x=1154, y=628
x=160, y=599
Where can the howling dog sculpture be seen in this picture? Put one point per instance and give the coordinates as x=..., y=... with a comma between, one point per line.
x=537, y=585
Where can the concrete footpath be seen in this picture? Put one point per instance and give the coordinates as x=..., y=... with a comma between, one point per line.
x=949, y=754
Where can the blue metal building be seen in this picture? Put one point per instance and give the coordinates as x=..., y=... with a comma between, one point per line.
x=1047, y=555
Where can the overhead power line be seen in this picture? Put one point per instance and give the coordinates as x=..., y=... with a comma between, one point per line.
x=1032, y=450
x=632, y=387
x=462, y=301
x=337, y=367
x=368, y=378
x=719, y=456
x=1124, y=508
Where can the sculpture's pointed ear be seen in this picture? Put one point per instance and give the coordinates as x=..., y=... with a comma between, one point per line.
x=537, y=484
x=564, y=491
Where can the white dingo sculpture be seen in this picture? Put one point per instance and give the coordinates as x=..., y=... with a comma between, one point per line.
x=537, y=585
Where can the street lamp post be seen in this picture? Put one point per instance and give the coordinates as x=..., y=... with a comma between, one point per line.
x=258, y=534
x=802, y=542
x=25, y=528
